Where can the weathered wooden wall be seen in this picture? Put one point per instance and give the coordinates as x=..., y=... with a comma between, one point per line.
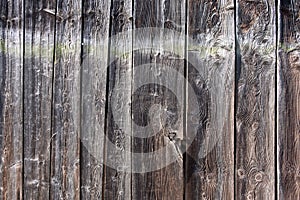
x=71, y=103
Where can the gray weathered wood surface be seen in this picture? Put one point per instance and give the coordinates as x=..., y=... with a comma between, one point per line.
x=153, y=98
x=213, y=84
x=210, y=161
x=95, y=34
x=65, y=141
x=117, y=178
x=288, y=113
x=11, y=109
x=255, y=99
x=38, y=69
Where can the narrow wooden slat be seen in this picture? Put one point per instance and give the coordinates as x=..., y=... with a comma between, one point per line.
x=288, y=112
x=118, y=144
x=11, y=119
x=154, y=105
x=93, y=87
x=210, y=114
x=255, y=103
x=65, y=151
x=38, y=66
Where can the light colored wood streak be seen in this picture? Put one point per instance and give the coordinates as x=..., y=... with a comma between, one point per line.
x=289, y=100
x=11, y=72
x=65, y=148
x=93, y=98
x=255, y=103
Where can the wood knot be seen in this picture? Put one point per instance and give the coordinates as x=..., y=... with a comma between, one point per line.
x=250, y=195
x=294, y=60
x=241, y=173
x=204, y=195
x=258, y=177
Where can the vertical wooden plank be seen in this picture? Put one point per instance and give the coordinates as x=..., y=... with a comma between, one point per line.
x=157, y=110
x=288, y=100
x=65, y=150
x=38, y=66
x=11, y=117
x=210, y=115
x=118, y=129
x=255, y=99
x=93, y=99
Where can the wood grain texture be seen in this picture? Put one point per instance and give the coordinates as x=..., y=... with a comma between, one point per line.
x=255, y=99
x=11, y=115
x=93, y=96
x=76, y=101
x=209, y=159
x=167, y=182
x=289, y=100
x=65, y=145
x=118, y=144
x=158, y=51
x=38, y=67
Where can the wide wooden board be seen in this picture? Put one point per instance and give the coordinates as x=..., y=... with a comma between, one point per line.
x=209, y=170
x=255, y=99
x=158, y=99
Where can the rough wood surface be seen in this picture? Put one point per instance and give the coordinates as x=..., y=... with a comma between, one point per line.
x=38, y=67
x=95, y=29
x=11, y=87
x=118, y=128
x=65, y=145
x=210, y=51
x=255, y=100
x=76, y=123
x=154, y=105
x=289, y=100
